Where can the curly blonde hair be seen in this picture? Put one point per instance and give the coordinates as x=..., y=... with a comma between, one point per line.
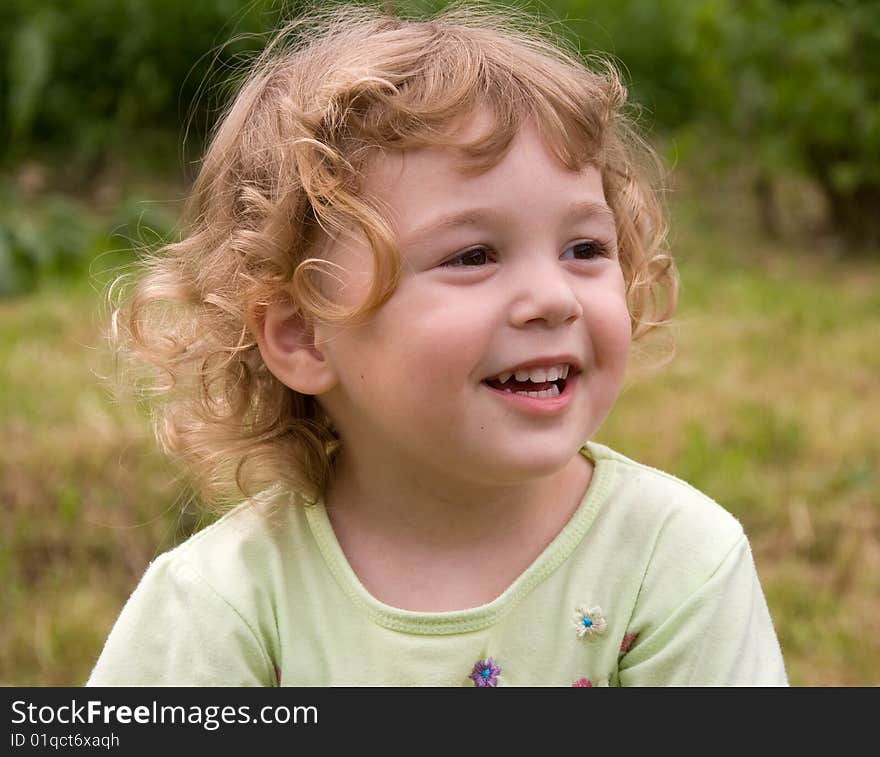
x=285, y=169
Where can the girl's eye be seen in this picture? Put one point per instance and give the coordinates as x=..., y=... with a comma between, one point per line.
x=587, y=250
x=476, y=256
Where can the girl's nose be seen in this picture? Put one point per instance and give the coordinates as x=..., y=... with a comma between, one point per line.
x=544, y=297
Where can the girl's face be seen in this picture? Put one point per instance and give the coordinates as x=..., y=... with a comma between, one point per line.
x=513, y=271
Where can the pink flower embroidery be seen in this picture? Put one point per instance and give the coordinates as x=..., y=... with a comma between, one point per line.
x=628, y=639
x=582, y=683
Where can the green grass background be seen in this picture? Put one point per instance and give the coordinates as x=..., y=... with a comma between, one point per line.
x=770, y=405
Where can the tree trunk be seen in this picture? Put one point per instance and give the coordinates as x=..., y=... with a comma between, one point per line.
x=768, y=208
x=854, y=215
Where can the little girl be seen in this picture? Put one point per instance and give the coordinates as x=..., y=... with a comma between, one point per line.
x=418, y=255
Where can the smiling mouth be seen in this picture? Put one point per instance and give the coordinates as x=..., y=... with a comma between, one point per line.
x=542, y=383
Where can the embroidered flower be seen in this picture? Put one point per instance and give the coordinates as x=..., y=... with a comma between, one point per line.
x=485, y=673
x=628, y=639
x=582, y=683
x=589, y=622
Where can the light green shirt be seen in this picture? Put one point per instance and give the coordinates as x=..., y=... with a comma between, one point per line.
x=649, y=583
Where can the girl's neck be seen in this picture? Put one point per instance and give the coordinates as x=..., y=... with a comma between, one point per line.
x=435, y=508
x=398, y=531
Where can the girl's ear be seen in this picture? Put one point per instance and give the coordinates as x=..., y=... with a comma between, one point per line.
x=287, y=344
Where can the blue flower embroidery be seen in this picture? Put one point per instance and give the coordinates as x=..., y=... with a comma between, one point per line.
x=589, y=622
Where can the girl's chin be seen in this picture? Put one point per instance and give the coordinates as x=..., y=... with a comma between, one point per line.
x=526, y=465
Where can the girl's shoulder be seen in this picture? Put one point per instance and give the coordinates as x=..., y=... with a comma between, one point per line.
x=664, y=510
x=215, y=595
x=254, y=538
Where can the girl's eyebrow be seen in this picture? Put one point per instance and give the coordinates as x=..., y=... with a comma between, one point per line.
x=474, y=216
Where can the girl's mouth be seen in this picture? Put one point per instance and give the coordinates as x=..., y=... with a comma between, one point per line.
x=539, y=389
x=538, y=382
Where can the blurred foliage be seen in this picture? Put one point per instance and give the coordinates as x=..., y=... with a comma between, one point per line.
x=86, y=84
x=790, y=85
x=89, y=75
x=799, y=82
x=58, y=238
x=770, y=87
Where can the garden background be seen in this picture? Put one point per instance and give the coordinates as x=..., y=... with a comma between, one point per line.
x=767, y=113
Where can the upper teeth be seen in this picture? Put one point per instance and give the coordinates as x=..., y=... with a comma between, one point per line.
x=536, y=375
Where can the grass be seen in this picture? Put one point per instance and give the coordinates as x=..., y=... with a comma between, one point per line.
x=767, y=407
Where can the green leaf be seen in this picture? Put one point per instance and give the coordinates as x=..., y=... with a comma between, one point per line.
x=29, y=66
